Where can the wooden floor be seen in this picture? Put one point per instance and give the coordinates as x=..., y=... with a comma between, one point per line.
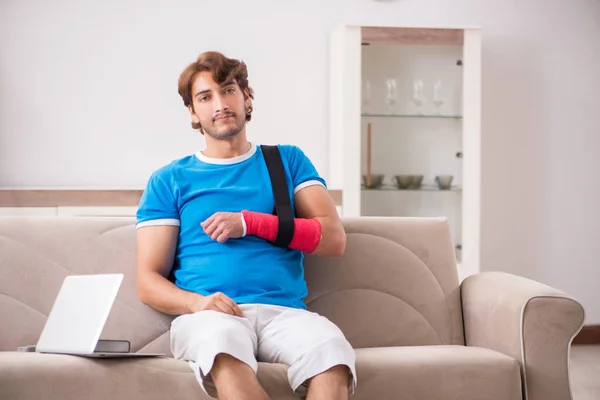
x=585, y=372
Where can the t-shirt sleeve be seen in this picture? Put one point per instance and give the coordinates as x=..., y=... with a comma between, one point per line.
x=302, y=170
x=157, y=205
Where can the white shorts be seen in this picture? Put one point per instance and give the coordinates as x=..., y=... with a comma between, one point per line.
x=305, y=341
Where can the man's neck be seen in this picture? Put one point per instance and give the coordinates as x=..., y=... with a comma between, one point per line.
x=230, y=148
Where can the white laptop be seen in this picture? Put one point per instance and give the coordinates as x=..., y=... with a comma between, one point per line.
x=78, y=316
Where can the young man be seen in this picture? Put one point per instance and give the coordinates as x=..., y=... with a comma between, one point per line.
x=207, y=220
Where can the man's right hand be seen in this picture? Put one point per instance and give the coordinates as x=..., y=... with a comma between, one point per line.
x=216, y=302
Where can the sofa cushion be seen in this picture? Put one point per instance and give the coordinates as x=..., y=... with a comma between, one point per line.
x=436, y=372
x=419, y=372
x=399, y=275
x=33, y=376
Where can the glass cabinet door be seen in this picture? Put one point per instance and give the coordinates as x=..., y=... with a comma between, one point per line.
x=405, y=127
x=411, y=132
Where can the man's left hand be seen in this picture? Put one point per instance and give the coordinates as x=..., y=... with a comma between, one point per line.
x=222, y=226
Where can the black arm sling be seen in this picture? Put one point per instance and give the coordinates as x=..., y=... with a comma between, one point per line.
x=283, y=207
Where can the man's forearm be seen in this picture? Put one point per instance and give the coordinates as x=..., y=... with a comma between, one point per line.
x=159, y=293
x=333, y=240
x=320, y=235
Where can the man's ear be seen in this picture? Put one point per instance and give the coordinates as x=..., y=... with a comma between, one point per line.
x=247, y=99
x=193, y=114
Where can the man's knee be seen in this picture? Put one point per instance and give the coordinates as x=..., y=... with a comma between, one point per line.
x=333, y=360
x=224, y=360
x=339, y=372
x=226, y=363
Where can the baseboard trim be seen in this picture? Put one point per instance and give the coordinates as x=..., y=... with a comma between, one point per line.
x=589, y=334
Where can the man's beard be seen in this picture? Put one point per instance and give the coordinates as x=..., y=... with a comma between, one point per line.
x=228, y=131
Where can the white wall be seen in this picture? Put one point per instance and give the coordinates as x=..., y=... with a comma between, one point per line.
x=88, y=99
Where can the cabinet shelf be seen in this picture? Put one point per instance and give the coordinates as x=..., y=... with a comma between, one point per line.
x=390, y=188
x=423, y=116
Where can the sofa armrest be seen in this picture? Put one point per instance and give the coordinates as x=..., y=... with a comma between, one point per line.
x=528, y=321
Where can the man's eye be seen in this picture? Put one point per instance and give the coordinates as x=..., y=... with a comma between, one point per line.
x=230, y=90
x=203, y=98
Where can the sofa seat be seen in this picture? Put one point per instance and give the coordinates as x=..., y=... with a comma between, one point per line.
x=29, y=376
x=437, y=372
x=415, y=372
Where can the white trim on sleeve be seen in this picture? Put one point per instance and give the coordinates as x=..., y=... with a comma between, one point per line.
x=306, y=184
x=159, y=222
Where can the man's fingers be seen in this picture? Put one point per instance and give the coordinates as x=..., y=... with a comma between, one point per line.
x=212, y=230
x=219, y=227
x=222, y=237
x=238, y=311
x=221, y=303
x=208, y=226
x=208, y=221
x=233, y=306
x=225, y=307
x=213, y=307
x=216, y=233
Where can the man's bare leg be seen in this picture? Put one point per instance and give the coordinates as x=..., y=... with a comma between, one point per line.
x=235, y=380
x=330, y=385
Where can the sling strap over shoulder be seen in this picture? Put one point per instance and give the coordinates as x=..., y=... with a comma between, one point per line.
x=283, y=207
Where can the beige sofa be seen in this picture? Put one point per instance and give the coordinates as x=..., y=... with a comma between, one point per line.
x=395, y=293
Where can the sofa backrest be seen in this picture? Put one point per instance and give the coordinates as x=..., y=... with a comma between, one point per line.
x=396, y=284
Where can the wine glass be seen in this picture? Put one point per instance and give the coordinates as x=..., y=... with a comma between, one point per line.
x=437, y=95
x=391, y=93
x=417, y=94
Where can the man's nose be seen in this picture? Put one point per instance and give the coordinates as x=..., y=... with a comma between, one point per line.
x=220, y=104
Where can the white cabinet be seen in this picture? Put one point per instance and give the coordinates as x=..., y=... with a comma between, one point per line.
x=405, y=112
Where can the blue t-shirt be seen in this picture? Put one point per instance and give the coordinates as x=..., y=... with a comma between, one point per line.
x=187, y=191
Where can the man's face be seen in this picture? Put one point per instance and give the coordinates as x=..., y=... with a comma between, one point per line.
x=220, y=109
